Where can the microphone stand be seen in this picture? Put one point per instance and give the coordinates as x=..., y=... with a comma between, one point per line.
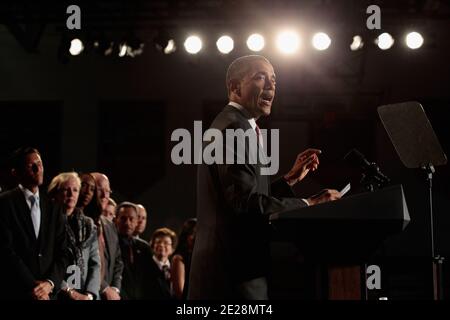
x=438, y=261
x=372, y=178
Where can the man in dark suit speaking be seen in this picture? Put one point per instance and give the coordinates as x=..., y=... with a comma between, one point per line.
x=234, y=200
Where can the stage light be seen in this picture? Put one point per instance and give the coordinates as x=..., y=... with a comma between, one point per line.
x=109, y=49
x=321, y=41
x=225, y=44
x=164, y=42
x=255, y=42
x=76, y=47
x=385, y=41
x=288, y=42
x=193, y=44
x=357, y=43
x=414, y=40
x=170, y=48
x=135, y=47
x=122, y=49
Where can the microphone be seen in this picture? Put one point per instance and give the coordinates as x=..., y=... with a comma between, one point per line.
x=356, y=158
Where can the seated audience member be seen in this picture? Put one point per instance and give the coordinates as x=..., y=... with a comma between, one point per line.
x=142, y=221
x=136, y=255
x=181, y=260
x=32, y=234
x=162, y=243
x=110, y=210
x=81, y=239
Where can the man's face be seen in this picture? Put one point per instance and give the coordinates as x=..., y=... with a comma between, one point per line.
x=257, y=88
x=67, y=194
x=162, y=247
x=32, y=173
x=103, y=190
x=126, y=221
x=142, y=220
x=87, y=189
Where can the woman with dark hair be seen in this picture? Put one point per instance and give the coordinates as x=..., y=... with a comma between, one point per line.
x=181, y=260
x=87, y=190
x=81, y=238
x=88, y=200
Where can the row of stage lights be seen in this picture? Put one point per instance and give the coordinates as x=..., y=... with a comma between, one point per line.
x=288, y=42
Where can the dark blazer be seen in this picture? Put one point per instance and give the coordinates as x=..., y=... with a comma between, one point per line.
x=113, y=257
x=26, y=259
x=142, y=279
x=234, y=202
x=160, y=286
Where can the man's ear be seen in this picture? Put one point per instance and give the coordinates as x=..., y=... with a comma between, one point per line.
x=235, y=87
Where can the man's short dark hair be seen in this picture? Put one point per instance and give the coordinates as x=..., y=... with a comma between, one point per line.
x=17, y=160
x=126, y=204
x=239, y=68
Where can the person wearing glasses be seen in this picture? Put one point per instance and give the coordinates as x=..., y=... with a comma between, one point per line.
x=162, y=243
x=108, y=242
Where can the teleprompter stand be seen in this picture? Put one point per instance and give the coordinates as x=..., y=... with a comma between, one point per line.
x=418, y=147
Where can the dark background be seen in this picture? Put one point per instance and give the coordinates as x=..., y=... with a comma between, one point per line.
x=116, y=115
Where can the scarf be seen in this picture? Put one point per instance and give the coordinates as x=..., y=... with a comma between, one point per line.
x=79, y=231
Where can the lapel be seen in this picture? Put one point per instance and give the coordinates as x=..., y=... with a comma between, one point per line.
x=23, y=212
x=107, y=237
x=263, y=181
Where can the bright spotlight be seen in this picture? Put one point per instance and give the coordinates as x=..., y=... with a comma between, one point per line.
x=288, y=42
x=414, y=40
x=357, y=43
x=321, y=41
x=164, y=42
x=225, y=44
x=193, y=44
x=122, y=49
x=170, y=48
x=385, y=41
x=76, y=46
x=255, y=42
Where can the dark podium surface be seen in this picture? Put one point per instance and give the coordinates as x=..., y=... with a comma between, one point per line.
x=337, y=238
x=349, y=228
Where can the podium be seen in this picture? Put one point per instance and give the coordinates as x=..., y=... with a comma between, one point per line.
x=341, y=235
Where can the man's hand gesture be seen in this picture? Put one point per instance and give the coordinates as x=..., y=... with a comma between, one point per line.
x=306, y=161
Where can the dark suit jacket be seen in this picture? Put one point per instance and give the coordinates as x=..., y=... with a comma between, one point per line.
x=26, y=259
x=233, y=205
x=113, y=257
x=142, y=279
x=160, y=288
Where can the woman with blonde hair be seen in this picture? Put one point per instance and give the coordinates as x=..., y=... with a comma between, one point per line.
x=82, y=240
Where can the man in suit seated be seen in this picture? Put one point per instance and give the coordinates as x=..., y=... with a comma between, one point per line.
x=32, y=234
